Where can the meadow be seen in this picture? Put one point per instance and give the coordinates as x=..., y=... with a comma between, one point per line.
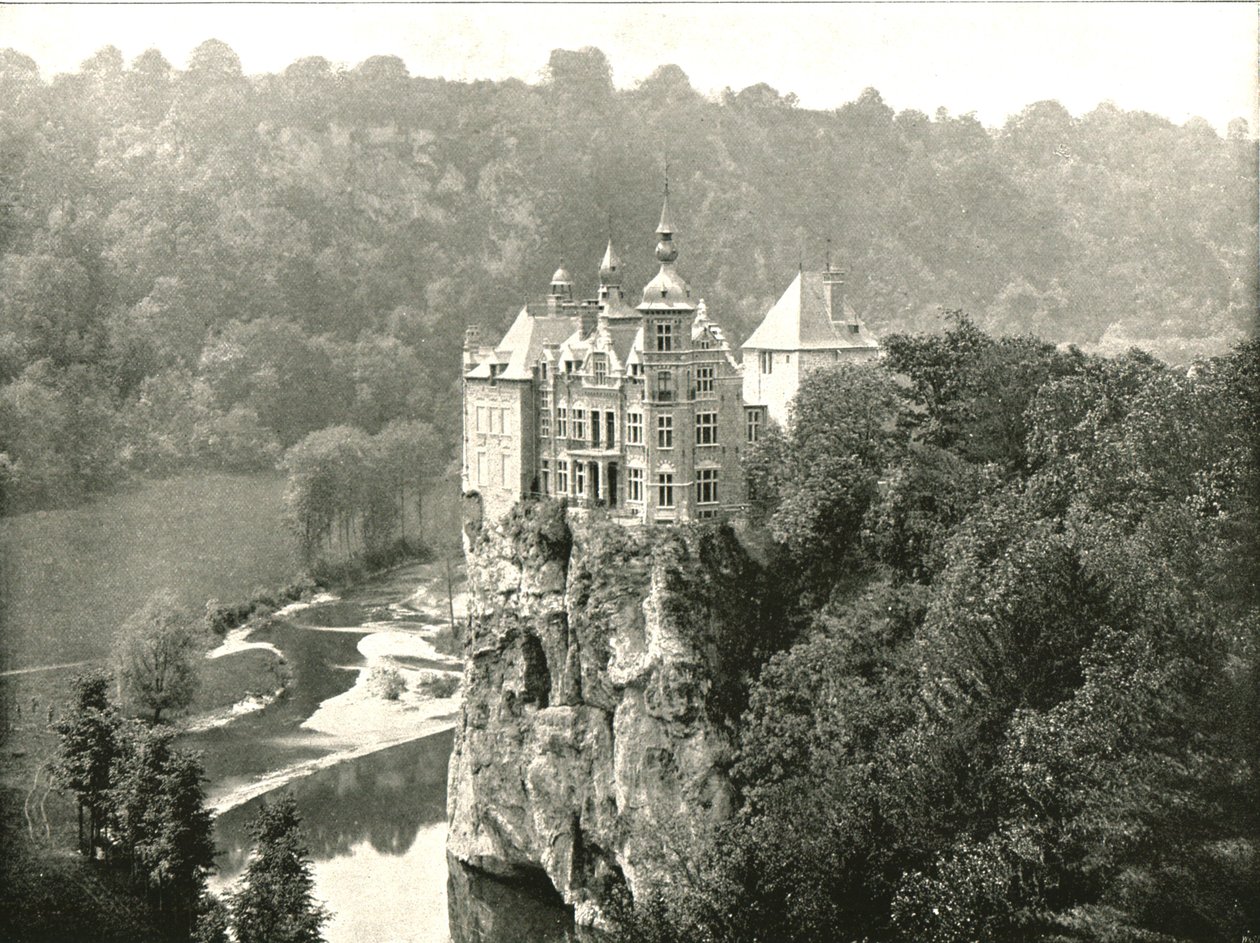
x=68, y=578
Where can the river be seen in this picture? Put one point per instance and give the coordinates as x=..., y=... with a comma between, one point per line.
x=369, y=775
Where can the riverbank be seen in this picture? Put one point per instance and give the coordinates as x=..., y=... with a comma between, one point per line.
x=332, y=646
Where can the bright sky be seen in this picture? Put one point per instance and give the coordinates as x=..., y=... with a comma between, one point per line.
x=1175, y=59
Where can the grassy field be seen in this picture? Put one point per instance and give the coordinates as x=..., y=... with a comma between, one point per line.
x=69, y=578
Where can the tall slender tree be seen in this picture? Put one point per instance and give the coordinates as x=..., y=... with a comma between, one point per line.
x=87, y=746
x=276, y=902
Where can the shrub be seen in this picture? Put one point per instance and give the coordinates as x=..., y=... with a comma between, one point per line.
x=386, y=682
x=440, y=685
x=446, y=641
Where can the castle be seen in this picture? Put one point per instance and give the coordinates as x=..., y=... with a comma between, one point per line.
x=642, y=410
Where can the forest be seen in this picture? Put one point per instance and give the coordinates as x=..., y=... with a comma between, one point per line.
x=199, y=268
x=1016, y=698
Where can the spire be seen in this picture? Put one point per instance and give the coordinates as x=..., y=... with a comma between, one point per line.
x=667, y=290
x=665, y=228
x=610, y=266
x=666, y=251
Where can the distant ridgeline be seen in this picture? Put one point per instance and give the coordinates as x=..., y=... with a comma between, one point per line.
x=199, y=267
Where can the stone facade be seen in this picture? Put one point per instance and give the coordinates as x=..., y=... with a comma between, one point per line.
x=641, y=410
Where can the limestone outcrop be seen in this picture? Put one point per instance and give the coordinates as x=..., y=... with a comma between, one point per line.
x=591, y=745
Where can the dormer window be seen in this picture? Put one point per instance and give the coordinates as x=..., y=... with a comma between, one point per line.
x=599, y=369
x=853, y=328
x=664, y=336
x=542, y=370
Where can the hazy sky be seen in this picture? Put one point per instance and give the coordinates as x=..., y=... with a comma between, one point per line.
x=1176, y=59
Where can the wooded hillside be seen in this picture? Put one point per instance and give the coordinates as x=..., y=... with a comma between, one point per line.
x=199, y=267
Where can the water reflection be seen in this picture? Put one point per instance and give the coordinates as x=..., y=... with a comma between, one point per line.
x=376, y=827
x=381, y=799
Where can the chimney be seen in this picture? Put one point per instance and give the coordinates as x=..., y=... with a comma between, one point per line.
x=472, y=346
x=588, y=315
x=833, y=293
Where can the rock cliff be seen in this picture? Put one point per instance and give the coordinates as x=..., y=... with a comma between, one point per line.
x=592, y=743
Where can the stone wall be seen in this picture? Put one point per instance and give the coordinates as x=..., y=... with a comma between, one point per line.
x=590, y=746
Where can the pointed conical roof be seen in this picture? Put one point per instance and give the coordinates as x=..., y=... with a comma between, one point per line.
x=665, y=227
x=610, y=267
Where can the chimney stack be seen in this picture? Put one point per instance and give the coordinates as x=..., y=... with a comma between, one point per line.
x=472, y=346
x=833, y=292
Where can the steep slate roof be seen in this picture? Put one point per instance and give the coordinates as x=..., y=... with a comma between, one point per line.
x=522, y=345
x=799, y=321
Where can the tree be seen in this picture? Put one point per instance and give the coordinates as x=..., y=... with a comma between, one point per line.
x=326, y=483
x=159, y=821
x=276, y=903
x=841, y=436
x=213, y=921
x=181, y=846
x=411, y=456
x=87, y=745
x=156, y=654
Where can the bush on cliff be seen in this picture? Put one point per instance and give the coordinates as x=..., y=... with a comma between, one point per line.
x=539, y=530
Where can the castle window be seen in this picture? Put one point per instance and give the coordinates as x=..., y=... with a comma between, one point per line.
x=579, y=423
x=562, y=476
x=664, y=432
x=562, y=422
x=706, y=486
x=503, y=469
x=634, y=428
x=481, y=419
x=665, y=386
x=544, y=423
x=634, y=485
x=542, y=370
x=766, y=361
x=599, y=369
x=706, y=429
x=545, y=477
x=706, y=340
x=665, y=490
x=636, y=369
x=753, y=424
x=664, y=336
x=704, y=380
x=482, y=480
x=579, y=477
